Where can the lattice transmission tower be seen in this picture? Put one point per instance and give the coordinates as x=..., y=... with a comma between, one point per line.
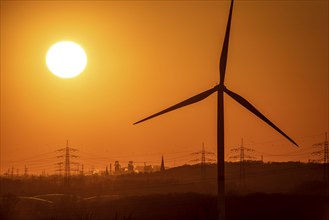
x=67, y=155
x=203, y=160
x=242, y=153
x=324, y=156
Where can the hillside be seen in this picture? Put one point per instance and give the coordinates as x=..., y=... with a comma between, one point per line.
x=288, y=177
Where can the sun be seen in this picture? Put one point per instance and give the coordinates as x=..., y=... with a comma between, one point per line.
x=66, y=59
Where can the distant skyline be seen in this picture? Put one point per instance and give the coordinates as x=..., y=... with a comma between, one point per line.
x=145, y=56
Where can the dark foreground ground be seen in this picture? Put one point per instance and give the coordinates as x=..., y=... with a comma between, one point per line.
x=190, y=206
x=270, y=191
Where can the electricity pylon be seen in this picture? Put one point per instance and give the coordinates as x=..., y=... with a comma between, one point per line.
x=203, y=160
x=203, y=153
x=67, y=160
x=325, y=154
x=25, y=171
x=242, y=156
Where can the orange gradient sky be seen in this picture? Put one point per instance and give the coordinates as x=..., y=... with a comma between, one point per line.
x=146, y=56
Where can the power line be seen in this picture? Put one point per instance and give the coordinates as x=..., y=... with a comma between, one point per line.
x=242, y=156
x=203, y=160
x=67, y=160
x=324, y=153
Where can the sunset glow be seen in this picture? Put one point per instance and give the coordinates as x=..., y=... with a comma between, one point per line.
x=133, y=59
x=164, y=110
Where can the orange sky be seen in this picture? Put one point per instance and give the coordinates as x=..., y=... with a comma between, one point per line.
x=146, y=56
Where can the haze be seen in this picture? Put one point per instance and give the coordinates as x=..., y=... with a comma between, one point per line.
x=146, y=56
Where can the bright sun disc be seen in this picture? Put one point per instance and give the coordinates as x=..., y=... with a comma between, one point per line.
x=66, y=59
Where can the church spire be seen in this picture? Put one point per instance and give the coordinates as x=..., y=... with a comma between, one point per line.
x=162, y=165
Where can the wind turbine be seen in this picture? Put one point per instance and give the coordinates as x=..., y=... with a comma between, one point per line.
x=220, y=89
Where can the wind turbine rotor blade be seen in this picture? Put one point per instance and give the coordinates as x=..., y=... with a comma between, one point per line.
x=223, y=56
x=251, y=108
x=189, y=101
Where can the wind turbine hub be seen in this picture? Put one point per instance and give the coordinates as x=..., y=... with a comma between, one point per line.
x=221, y=87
